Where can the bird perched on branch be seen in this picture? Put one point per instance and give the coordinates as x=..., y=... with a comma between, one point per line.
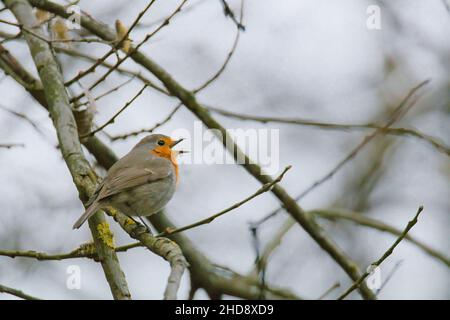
x=141, y=183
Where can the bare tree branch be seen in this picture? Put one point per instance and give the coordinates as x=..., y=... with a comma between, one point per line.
x=229, y=55
x=17, y=293
x=108, y=92
x=58, y=105
x=363, y=220
x=149, y=130
x=266, y=187
x=161, y=246
x=43, y=256
x=112, y=50
x=120, y=70
x=24, y=117
x=198, y=89
x=359, y=219
x=408, y=132
x=131, y=51
x=113, y=118
x=384, y=256
x=11, y=145
x=229, y=13
x=329, y=290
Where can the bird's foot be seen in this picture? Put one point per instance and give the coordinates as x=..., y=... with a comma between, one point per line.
x=146, y=225
x=140, y=229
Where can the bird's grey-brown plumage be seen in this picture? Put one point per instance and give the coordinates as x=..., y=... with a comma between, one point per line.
x=139, y=184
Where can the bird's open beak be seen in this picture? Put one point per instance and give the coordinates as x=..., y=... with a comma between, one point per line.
x=176, y=142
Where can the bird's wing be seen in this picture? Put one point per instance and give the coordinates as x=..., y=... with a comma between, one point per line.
x=128, y=177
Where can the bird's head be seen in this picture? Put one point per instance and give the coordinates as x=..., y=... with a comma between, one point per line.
x=161, y=146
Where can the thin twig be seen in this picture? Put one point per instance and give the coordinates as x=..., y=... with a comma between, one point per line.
x=329, y=290
x=272, y=244
x=229, y=55
x=390, y=275
x=113, y=118
x=23, y=117
x=359, y=219
x=149, y=130
x=11, y=145
x=266, y=187
x=84, y=251
x=260, y=267
x=50, y=41
x=83, y=40
x=131, y=52
x=17, y=293
x=104, y=94
x=158, y=21
x=384, y=256
x=113, y=49
x=366, y=221
x=439, y=145
x=75, y=53
x=229, y=13
x=198, y=89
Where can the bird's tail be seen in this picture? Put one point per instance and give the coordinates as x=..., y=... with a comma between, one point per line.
x=86, y=215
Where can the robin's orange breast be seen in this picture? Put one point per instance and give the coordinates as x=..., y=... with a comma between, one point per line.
x=166, y=152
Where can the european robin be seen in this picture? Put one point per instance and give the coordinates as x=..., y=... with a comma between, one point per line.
x=141, y=183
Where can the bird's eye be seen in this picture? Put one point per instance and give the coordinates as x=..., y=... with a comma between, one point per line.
x=161, y=142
